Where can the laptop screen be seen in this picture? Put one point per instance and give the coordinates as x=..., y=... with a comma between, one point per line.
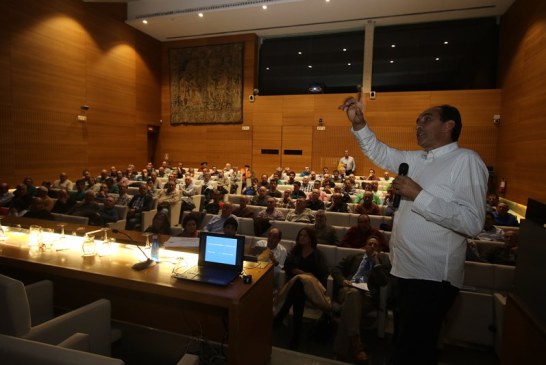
x=216, y=249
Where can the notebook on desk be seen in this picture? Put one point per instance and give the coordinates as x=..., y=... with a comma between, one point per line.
x=220, y=260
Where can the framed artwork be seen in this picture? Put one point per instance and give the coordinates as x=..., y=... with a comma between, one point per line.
x=206, y=84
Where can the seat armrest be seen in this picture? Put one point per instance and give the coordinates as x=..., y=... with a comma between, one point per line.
x=92, y=319
x=40, y=301
x=119, y=225
x=78, y=341
x=147, y=217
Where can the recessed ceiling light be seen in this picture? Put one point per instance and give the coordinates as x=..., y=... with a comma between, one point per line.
x=309, y=66
x=267, y=68
x=393, y=45
x=344, y=49
x=348, y=63
x=327, y=1
x=437, y=59
x=300, y=52
x=446, y=42
x=264, y=7
x=391, y=61
x=144, y=21
x=201, y=15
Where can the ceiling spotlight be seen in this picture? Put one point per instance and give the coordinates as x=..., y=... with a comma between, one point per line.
x=391, y=61
x=344, y=49
x=393, y=45
x=264, y=7
x=437, y=59
x=316, y=88
x=144, y=21
x=309, y=66
x=446, y=42
x=201, y=15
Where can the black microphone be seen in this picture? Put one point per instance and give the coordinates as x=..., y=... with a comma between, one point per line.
x=403, y=171
x=142, y=264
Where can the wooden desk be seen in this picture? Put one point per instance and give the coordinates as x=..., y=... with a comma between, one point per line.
x=240, y=313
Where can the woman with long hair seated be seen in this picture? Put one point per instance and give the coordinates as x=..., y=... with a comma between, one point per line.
x=160, y=224
x=304, y=266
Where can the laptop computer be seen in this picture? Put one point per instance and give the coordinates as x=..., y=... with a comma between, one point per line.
x=220, y=259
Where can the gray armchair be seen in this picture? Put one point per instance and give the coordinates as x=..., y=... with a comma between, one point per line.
x=27, y=312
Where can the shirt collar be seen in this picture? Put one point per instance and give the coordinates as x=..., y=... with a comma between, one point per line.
x=440, y=151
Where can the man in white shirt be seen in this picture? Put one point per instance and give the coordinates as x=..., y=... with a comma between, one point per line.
x=348, y=163
x=442, y=203
x=273, y=252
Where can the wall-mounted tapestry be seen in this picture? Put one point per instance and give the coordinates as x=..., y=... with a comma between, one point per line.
x=207, y=84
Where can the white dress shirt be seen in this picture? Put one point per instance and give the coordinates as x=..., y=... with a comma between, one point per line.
x=428, y=237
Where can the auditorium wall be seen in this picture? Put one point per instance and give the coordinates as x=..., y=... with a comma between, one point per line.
x=521, y=151
x=56, y=56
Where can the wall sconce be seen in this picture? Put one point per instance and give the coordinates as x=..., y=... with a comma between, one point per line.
x=496, y=119
x=82, y=117
x=321, y=126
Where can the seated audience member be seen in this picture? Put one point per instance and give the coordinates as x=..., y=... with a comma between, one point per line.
x=5, y=195
x=261, y=198
x=92, y=184
x=323, y=195
x=489, y=231
x=273, y=192
x=252, y=189
x=291, y=180
x=113, y=188
x=160, y=224
x=215, y=204
x=372, y=267
x=103, y=176
x=492, y=202
x=190, y=223
x=367, y=206
x=216, y=224
x=306, y=171
x=154, y=182
x=386, y=176
x=37, y=210
x=120, y=178
x=306, y=185
x=144, y=175
x=312, y=177
x=326, y=234
x=338, y=205
x=222, y=183
x=503, y=218
x=123, y=197
x=314, y=202
x=161, y=172
x=297, y=192
x=167, y=198
x=506, y=254
x=327, y=183
x=357, y=235
x=31, y=189
x=348, y=188
x=230, y=227
x=304, y=263
x=388, y=202
x=367, y=187
x=372, y=176
x=472, y=252
x=187, y=191
x=141, y=202
x=63, y=203
x=109, y=213
x=301, y=213
x=271, y=251
x=102, y=194
x=42, y=193
x=271, y=212
x=88, y=208
x=179, y=170
x=286, y=201
x=243, y=210
x=79, y=194
x=336, y=178
x=20, y=202
x=63, y=182
x=264, y=181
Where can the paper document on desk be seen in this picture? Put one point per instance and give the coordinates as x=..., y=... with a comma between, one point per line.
x=182, y=242
x=361, y=286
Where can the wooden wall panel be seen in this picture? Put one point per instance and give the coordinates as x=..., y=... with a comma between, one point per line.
x=55, y=57
x=266, y=137
x=297, y=138
x=521, y=157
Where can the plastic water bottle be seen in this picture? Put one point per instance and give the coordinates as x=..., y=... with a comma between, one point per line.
x=155, y=248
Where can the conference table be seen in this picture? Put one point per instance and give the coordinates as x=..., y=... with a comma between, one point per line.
x=239, y=315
